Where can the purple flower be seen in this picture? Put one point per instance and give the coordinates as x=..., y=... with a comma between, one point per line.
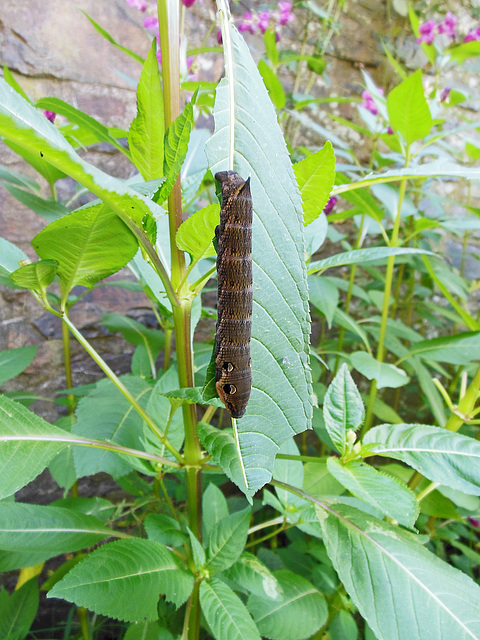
x=427, y=32
x=445, y=93
x=151, y=23
x=473, y=35
x=141, y=5
x=329, y=206
x=50, y=115
x=188, y=3
x=286, y=14
x=263, y=20
x=368, y=102
x=474, y=521
x=448, y=25
x=390, y=130
x=219, y=37
x=248, y=23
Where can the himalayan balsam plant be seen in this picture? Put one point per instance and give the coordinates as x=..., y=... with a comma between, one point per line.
x=234, y=529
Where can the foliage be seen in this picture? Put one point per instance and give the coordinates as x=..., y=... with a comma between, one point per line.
x=367, y=525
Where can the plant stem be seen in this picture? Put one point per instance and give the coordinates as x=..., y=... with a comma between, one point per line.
x=386, y=302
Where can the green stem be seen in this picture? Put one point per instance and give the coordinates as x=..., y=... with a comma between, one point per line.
x=386, y=302
x=120, y=386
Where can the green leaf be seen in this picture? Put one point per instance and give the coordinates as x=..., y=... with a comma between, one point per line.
x=462, y=348
x=408, y=109
x=348, y=323
x=25, y=129
x=145, y=136
x=362, y=199
x=301, y=612
x=432, y=394
x=464, y=51
x=324, y=295
x=227, y=540
x=384, y=492
x=342, y=408
x=272, y=84
x=214, y=508
x=343, y=627
x=198, y=552
x=47, y=531
x=386, y=375
x=271, y=49
x=385, y=571
x=225, y=613
x=81, y=119
x=124, y=580
x=10, y=259
x=110, y=39
x=120, y=424
x=14, y=361
x=281, y=404
x=176, y=147
x=315, y=176
x=195, y=234
x=253, y=576
x=18, y=611
x=7, y=74
x=49, y=209
x=361, y=256
x=222, y=447
x=442, y=456
x=163, y=529
x=137, y=333
x=290, y=472
x=27, y=445
x=36, y=275
x=89, y=244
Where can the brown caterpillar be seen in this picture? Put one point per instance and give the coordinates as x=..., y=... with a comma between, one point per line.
x=233, y=373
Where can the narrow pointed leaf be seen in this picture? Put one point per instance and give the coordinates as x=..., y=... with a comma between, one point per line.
x=384, y=492
x=124, y=580
x=459, y=349
x=440, y=455
x=18, y=611
x=225, y=613
x=342, y=408
x=49, y=209
x=361, y=256
x=227, y=540
x=386, y=571
x=315, y=177
x=281, y=403
x=145, y=136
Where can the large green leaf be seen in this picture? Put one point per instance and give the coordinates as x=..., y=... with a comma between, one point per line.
x=27, y=444
x=227, y=540
x=382, y=491
x=459, y=349
x=18, y=611
x=107, y=414
x=440, y=455
x=408, y=109
x=124, y=580
x=299, y=613
x=196, y=233
x=25, y=128
x=400, y=588
x=281, y=403
x=225, y=613
x=48, y=531
x=89, y=244
x=145, y=136
x=14, y=361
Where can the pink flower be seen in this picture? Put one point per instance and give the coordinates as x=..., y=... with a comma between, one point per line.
x=263, y=20
x=368, y=101
x=151, y=23
x=188, y=3
x=445, y=93
x=248, y=23
x=286, y=14
x=390, y=130
x=330, y=205
x=427, y=32
x=219, y=36
x=50, y=115
x=474, y=521
x=473, y=35
x=448, y=25
x=141, y=5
